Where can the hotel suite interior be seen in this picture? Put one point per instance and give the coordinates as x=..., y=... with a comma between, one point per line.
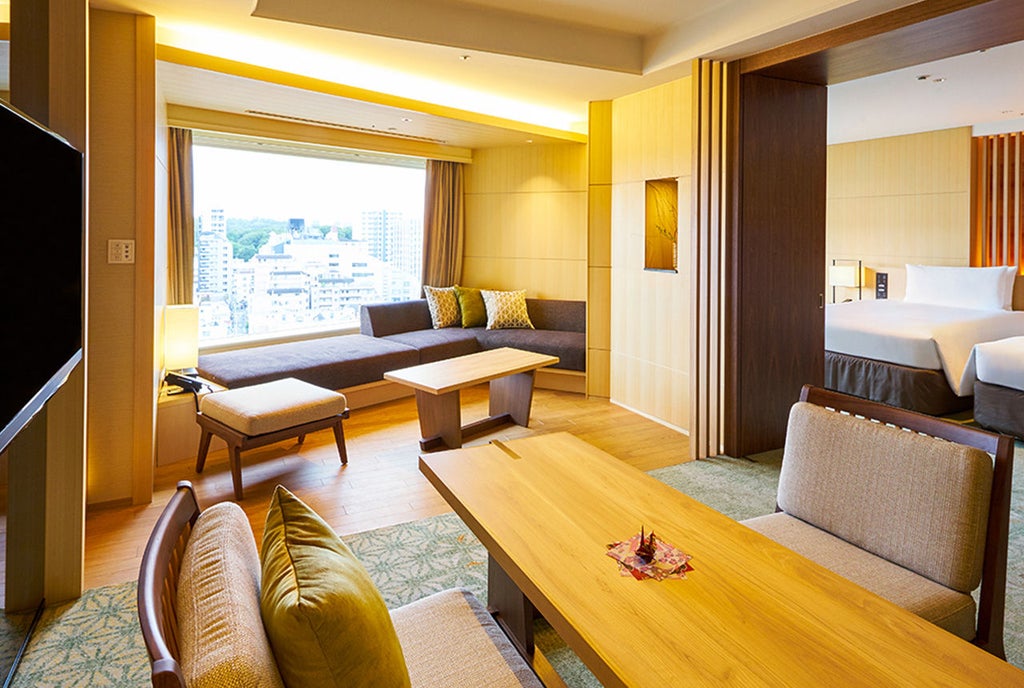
x=561, y=111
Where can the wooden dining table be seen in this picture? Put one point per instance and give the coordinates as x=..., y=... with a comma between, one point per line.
x=749, y=613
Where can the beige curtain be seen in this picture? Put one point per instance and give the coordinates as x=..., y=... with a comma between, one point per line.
x=443, y=223
x=181, y=230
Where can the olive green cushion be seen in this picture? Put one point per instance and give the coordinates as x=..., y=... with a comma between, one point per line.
x=327, y=623
x=471, y=304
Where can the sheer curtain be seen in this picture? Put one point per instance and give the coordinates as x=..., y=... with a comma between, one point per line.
x=443, y=223
x=181, y=230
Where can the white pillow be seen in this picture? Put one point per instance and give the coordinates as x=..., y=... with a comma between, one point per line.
x=959, y=287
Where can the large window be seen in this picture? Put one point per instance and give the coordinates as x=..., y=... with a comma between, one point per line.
x=295, y=239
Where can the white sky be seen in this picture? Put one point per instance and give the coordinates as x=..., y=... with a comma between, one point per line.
x=267, y=185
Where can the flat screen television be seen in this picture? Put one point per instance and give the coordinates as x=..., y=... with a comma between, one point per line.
x=41, y=266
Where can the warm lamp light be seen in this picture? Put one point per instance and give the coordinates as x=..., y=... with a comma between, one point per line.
x=843, y=276
x=181, y=337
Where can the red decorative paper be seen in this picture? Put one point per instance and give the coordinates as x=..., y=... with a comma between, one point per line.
x=668, y=562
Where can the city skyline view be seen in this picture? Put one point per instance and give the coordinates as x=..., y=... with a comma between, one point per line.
x=273, y=250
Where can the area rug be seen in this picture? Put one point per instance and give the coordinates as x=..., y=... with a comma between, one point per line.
x=95, y=641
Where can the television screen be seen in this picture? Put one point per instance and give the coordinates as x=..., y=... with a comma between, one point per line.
x=41, y=254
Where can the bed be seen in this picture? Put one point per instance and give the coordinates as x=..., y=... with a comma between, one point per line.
x=918, y=352
x=999, y=389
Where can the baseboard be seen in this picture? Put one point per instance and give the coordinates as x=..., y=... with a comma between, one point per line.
x=561, y=380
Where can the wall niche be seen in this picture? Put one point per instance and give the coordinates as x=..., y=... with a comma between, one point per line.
x=662, y=225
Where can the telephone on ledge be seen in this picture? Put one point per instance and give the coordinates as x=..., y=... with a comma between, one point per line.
x=187, y=383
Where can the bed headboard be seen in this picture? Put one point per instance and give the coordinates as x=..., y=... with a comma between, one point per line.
x=898, y=284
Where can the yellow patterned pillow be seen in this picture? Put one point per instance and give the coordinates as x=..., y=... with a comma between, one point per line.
x=506, y=309
x=443, y=305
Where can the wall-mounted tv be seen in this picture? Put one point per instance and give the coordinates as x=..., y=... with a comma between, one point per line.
x=41, y=266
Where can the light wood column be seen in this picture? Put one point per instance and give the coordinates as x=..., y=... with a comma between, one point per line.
x=49, y=79
x=599, y=253
x=708, y=222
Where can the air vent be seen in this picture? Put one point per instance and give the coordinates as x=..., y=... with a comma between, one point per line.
x=344, y=127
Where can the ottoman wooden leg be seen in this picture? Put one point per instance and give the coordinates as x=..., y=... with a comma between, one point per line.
x=204, y=447
x=339, y=439
x=236, y=470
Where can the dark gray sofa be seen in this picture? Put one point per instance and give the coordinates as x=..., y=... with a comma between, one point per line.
x=398, y=335
x=560, y=330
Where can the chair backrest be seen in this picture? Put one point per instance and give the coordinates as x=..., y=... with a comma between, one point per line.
x=158, y=585
x=834, y=438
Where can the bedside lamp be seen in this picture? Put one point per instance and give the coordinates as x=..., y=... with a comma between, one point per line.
x=845, y=275
x=181, y=338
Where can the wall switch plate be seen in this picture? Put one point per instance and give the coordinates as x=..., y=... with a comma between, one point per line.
x=881, y=285
x=120, y=250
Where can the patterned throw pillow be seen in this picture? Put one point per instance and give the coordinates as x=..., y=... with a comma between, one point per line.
x=506, y=309
x=444, y=307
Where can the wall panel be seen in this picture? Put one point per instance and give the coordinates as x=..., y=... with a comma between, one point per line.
x=898, y=200
x=651, y=139
x=526, y=220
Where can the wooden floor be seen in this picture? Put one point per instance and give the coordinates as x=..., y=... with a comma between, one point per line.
x=380, y=486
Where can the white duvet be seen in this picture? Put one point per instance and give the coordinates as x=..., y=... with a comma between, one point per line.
x=918, y=335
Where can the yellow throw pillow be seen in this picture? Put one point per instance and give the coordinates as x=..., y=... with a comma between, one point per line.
x=444, y=307
x=326, y=621
x=471, y=305
x=506, y=309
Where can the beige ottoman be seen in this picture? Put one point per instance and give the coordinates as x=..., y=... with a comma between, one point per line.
x=254, y=416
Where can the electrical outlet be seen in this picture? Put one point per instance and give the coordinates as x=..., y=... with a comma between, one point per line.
x=881, y=285
x=120, y=251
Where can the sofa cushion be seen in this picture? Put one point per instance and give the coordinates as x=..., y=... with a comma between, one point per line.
x=506, y=309
x=328, y=362
x=443, y=306
x=570, y=347
x=450, y=639
x=558, y=314
x=382, y=319
x=435, y=345
x=220, y=632
x=471, y=305
x=326, y=621
x=915, y=500
x=949, y=609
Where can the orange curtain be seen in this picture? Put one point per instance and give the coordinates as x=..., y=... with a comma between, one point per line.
x=444, y=218
x=181, y=221
x=997, y=200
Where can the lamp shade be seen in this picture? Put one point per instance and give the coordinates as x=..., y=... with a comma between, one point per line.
x=843, y=276
x=181, y=337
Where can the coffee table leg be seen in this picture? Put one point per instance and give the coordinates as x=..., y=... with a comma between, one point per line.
x=512, y=394
x=513, y=612
x=440, y=419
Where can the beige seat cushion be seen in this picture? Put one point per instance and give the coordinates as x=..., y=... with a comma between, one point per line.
x=272, y=406
x=946, y=608
x=915, y=500
x=221, y=636
x=450, y=641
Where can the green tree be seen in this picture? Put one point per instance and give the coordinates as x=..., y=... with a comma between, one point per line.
x=248, y=235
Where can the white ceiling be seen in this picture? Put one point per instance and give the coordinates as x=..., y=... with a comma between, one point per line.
x=522, y=93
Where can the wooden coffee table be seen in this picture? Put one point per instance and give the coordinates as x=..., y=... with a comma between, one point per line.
x=510, y=373
x=751, y=613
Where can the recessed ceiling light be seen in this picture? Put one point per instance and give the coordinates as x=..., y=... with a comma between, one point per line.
x=464, y=57
x=529, y=140
x=407, y=119
x=939, y=79
x=923, y=77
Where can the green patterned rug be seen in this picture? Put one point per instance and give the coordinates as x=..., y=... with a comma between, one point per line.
x=95, y=641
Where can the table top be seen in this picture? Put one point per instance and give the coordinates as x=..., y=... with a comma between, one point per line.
x=751, y=613
x=451, y=374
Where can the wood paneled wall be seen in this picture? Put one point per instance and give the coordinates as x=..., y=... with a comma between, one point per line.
x=900, y=199
x=526, y=220
x=775, y=326
x=997, y=200
x=123, y=313
x=650, y=329
x=599, y=250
